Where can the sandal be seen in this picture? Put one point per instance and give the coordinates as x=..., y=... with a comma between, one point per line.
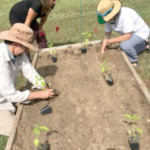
x=134, y=64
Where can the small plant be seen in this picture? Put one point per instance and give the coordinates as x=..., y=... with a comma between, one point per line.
x=37, y=130
x=134, y=131
x=52, y=52
x=40, y=82
x=105, y=73
x=86, y=35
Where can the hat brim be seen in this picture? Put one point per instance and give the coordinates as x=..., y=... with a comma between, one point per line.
x=116, y=9
x=5, y=35
x=100, y=20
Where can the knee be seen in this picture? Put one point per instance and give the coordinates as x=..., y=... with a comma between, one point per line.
x=124, y=46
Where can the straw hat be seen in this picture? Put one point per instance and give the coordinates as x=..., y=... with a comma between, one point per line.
x=107, y=9
x=22, y=34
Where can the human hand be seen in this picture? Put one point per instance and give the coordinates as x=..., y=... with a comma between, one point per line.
x=47, y=93
x=104, y=45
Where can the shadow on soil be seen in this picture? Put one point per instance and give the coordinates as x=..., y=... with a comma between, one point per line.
x=47, y=70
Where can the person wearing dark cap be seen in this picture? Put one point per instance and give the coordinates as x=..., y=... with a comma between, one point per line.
x=13, y=60
x=133, y=31
x=28, y=11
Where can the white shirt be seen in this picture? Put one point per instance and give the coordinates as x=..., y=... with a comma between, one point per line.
x=129, y=21
x=8, y=78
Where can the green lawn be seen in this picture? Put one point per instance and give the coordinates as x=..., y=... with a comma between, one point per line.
x=66, y=16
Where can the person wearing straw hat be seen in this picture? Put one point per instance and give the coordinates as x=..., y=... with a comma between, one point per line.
x=133, y=31
x=13, y=60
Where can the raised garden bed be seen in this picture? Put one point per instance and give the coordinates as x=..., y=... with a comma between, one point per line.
x=88, y=114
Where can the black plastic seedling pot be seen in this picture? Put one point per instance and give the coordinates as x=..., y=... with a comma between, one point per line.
x=54, y=59
x=83, y=50
x=109, y=80
x=44, y=146
x=46, y=110
x=134, y=142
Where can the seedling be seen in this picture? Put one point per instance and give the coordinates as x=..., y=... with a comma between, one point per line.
x=37, y=130
x=40, y=82
x=105, y=73
x=86, y=40
x=52, y=53
x=134, y=132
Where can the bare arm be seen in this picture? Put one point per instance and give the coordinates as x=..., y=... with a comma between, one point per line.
x=118, y=39
x=30, y=16
x=44, y=94
x=43, y=20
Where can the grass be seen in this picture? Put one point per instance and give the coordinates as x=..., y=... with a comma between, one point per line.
x=66, y=16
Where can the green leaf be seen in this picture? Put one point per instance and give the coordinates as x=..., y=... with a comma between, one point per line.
x=36, y=142
x=44, y=128
x=51, y=52
x=36, y=130
x=135, y=117
x=139, y=130
x=103, y=69
x=50, y=45
x=128, y=116
x=129, y=132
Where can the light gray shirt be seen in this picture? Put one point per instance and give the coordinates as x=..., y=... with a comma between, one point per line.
x=9, y=70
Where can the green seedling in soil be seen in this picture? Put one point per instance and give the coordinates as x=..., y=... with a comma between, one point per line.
x=37, y=130
x=40, y=82
x=106, y=73
x=86, y=38
x=53, y=51
x=134, y=130
x=104, y=69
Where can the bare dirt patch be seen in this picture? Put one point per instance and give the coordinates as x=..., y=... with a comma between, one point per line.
x=88, y=114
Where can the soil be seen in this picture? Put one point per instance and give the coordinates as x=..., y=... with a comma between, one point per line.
x=88, y=114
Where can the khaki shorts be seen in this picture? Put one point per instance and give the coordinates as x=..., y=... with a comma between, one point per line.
x=6, y=122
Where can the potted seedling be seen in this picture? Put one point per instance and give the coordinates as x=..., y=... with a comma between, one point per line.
x=86, y=40
x=41, y=146
x=133, y=132
x=52, y=53
x=106, y=74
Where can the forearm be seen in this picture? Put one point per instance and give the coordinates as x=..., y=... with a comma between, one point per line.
x=43, y=94
x=30, y=16
x=119, y=39
x=43, y=20
x=34, y=95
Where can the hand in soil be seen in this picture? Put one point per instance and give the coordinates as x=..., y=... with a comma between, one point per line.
x=48, y=93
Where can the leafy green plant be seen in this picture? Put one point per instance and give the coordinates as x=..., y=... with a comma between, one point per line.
x=134, y=130
x=53, y=51
x=37, y=130
x=105, y=70
x=40, y=82
x=86, y=36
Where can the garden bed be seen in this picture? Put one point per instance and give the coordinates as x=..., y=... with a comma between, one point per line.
x=88, y=114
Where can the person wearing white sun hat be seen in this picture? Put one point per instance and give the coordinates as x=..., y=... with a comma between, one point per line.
x=13, y=60
x=133, y=31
